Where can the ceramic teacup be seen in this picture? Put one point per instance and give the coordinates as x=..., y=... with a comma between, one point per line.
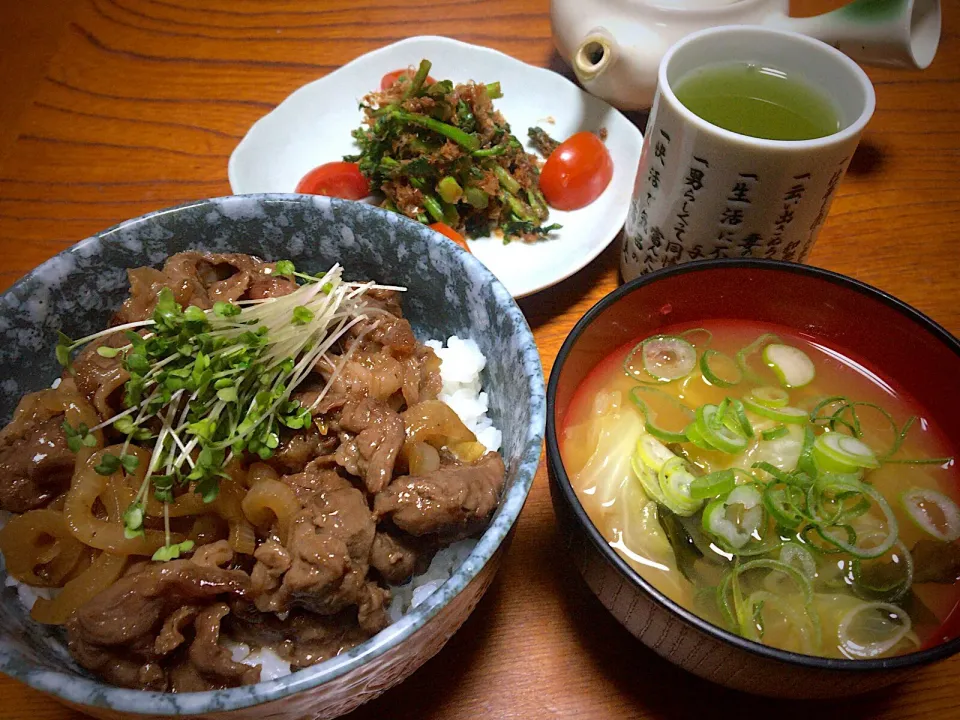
x=705, y=192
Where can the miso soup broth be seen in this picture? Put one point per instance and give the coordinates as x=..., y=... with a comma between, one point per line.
x=772, y=485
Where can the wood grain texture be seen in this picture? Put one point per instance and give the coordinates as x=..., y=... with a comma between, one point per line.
x=140, y=107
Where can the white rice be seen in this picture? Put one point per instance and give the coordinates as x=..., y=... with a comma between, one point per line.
x=461, y=363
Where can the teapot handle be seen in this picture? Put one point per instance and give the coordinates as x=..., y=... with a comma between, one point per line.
x=888, y=33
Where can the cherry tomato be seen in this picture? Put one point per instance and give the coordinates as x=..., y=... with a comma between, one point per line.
x=445, y=229
x=391, y=77
x=335, y=179
x=577, y=172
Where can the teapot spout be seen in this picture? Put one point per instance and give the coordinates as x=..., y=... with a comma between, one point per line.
x=595, y=55
x=889, y=33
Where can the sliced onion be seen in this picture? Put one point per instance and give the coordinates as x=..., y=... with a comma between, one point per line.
x=792, y=366
x=837, y=451
x=666, y=357
x=915, y=499
x=858, y=648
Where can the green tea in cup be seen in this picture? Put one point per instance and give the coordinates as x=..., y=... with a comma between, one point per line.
x=759, y=101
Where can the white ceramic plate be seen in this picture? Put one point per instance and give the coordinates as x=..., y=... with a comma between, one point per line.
x=312, y=126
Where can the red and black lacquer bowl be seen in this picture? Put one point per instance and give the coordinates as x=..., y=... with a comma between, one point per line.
x=900, y=342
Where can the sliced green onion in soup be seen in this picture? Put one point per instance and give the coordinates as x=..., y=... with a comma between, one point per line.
x=675, y=481
x=713, y=485
x=730, y=582
x=663, y=357
x=693, y=435
x=798, y=556
x=933, y=512
x=716, y=433
x=698, y=337
x=775, y=432
x=785, y=414
x=842, y=535
x=792, y=366
x=884, y=579
x=650, y=417
x=744, y=355
x=735, y=518
x=770, y=396
x=838, y=452
x=653, y=453
x=757, y=609
x=720, y=369
x=872, y=629
x=786, y=504
x=648, y=478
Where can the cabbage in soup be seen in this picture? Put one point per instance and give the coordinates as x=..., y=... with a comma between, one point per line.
x=772, y=485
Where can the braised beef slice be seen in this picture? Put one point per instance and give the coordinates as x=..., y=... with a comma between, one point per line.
x=268, y=286
x=378, y=434
x=385, y=332
x=134, y=632
x=208, y=665
x=35, y=463
x=201, y=279
x=324, y=561
x=421, y=376
x=296, y=449
x=397, y=556
x=451, y=502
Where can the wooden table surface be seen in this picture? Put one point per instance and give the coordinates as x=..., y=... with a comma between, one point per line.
x=112, y=108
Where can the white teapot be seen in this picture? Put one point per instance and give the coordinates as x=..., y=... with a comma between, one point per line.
x=615, y=46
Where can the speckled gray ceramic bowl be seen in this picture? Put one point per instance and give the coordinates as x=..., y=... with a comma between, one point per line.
x=450, y=293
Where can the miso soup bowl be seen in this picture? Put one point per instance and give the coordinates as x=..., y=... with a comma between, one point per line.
x=843, y=312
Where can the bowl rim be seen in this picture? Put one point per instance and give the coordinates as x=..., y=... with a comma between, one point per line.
x=88, y=691
x=562, y=481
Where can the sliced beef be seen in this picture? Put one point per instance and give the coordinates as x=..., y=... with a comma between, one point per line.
x=298, y=448
x=378, y=435
x=302, y=638
x=201, y=279
x=326, y=557
x=317, y=477
x=397, y=556
x=269, y=286
x=35, y=463
x=450, y=502
x=374, y=374
x=387, y=333
x=421, y=376
x=385, y=301
x=134, y=633
x=208, y=665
